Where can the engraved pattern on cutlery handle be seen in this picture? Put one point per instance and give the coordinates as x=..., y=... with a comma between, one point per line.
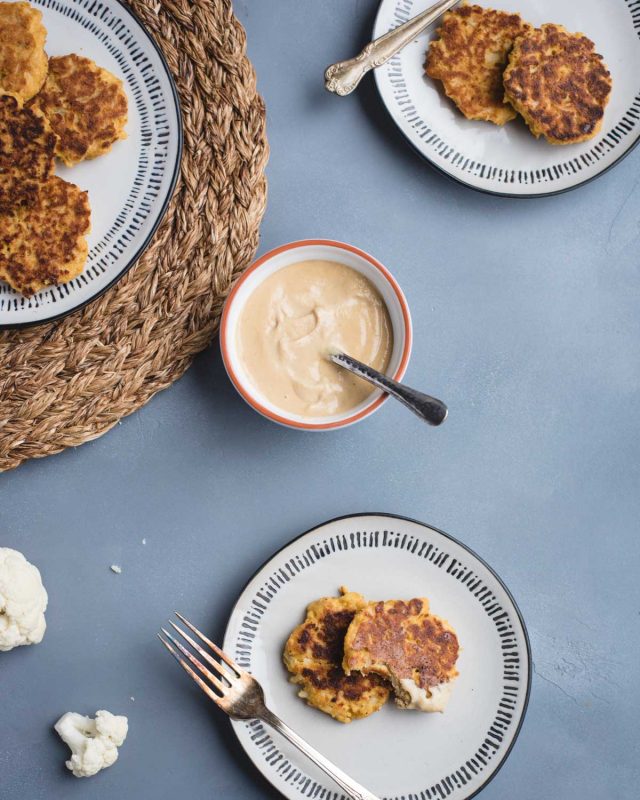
x=342, y=78
x=351, y=788
x=428, y=408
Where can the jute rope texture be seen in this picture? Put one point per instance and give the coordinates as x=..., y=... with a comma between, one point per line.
x=68, y=382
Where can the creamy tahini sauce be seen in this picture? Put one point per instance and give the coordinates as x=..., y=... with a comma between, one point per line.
x=298, y=315
x=434, y=698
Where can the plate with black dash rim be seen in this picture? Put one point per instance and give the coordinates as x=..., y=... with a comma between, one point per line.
x=508, y=160
x=393, y=753
x=131, y=186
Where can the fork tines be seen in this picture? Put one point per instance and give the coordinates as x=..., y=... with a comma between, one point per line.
x=240, y=695
x=227, y=674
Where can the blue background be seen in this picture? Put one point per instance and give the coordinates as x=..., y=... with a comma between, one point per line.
x=527, y=323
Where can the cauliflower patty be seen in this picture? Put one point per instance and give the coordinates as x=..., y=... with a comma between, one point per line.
x=313, y=655
x=559, y=84
x=46, y=245
x=469, y=57
x=27, y=146
x=23, y=62
x=404, y=643
x=86, y=105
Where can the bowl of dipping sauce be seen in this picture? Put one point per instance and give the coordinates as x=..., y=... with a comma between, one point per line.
x=295, y=305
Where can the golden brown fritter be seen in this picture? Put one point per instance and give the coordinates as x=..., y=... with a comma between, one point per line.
x=402, y=642
x=469, y=57
x=27, y=145
x=559, y=84
x=45, y=244
x=86, y=106
x=23, y=62
x=313, y=655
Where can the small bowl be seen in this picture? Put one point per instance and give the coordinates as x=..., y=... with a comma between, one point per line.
x=306, y=250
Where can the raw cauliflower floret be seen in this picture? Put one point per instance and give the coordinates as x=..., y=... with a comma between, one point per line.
x=23, y=601
x=94, y=743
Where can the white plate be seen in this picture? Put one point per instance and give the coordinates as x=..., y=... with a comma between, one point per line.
x=509, y=160
x=395, y=754
x=130, y=187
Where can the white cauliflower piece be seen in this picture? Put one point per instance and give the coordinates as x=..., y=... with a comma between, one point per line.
x=23, y=601
x=94, y=743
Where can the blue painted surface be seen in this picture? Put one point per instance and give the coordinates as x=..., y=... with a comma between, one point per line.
x=526, y=323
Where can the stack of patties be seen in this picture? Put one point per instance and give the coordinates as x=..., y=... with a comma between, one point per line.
x=494, y=66
x=349, y=656
x=65, y=107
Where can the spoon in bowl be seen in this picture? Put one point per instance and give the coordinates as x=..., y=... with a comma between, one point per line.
x=428, y=408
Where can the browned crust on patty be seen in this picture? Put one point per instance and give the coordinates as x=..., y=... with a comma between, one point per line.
x=86, y=105
x=313, y=655
x=27, y=146
x=559, y=84
x=469, y=56
x=401, y=640
x=45, y=244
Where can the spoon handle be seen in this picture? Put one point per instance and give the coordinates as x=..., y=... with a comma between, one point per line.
x=343, y=77
x=428, y=408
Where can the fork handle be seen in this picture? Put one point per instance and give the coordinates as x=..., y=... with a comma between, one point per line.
x=347, y=784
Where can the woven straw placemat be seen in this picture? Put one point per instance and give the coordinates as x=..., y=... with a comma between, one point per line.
x=64, y=383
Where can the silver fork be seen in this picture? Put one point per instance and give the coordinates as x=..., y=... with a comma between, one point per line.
x=240, y=695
